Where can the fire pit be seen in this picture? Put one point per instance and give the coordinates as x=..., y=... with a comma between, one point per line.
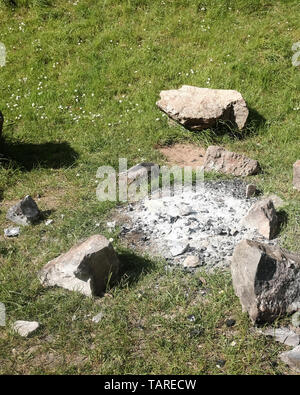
x=205, y=224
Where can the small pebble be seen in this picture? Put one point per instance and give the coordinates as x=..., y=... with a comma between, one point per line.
x=12, y=231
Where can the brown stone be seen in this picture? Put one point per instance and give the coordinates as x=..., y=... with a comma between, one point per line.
x=201, y=108
x=220, y=160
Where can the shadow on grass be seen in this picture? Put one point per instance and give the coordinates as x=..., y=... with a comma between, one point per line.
x=29, y=156
x=133, y=267
x=282, y=219
x=254, y=122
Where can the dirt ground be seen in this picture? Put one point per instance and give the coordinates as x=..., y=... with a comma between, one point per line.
x=183, y=155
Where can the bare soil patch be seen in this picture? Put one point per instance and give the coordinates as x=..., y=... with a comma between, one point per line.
x=183, y=155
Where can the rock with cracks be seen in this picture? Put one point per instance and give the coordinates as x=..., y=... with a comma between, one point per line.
x=266, y=279
x=220, y=160
x=202, y=108
x=87, y=267
x=262, y=216
x=25, y=212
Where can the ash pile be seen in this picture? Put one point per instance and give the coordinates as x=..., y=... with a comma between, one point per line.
x=204, y=225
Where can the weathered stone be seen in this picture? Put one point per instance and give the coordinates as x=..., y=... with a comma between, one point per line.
x=283, y=335
x=1, y=123
x=296, y=178
x=262, y=216
x=292, y=358
x=201, y=108
x=86, y=267
x=191, y=261
x=266, y=279
x=12, y=231
x=25, y=328
x=250, y=190
x=25, y=212
x=219, y=159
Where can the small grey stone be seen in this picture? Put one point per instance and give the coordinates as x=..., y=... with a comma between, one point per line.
x=25, y=212
x=111, y=225
x=12, y=231
x=191, y=318
x=97, y=318
x=179, y=249
x=25, y=328
x=49, y=222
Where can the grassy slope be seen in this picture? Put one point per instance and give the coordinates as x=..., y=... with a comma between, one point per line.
x=84, y=76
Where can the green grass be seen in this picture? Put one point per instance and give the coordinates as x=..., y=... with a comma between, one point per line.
x=79, y=91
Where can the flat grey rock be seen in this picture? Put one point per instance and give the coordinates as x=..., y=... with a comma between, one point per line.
x=12, y=231
x=25, y=328
x=223, y=161
x=283, y=335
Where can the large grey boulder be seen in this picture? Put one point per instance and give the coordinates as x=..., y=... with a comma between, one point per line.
x=87, y=267
x=263, y=217
x=292, y=358
x=266, y=279
x=220, y=160
x=25, y=212
x=201, y=108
